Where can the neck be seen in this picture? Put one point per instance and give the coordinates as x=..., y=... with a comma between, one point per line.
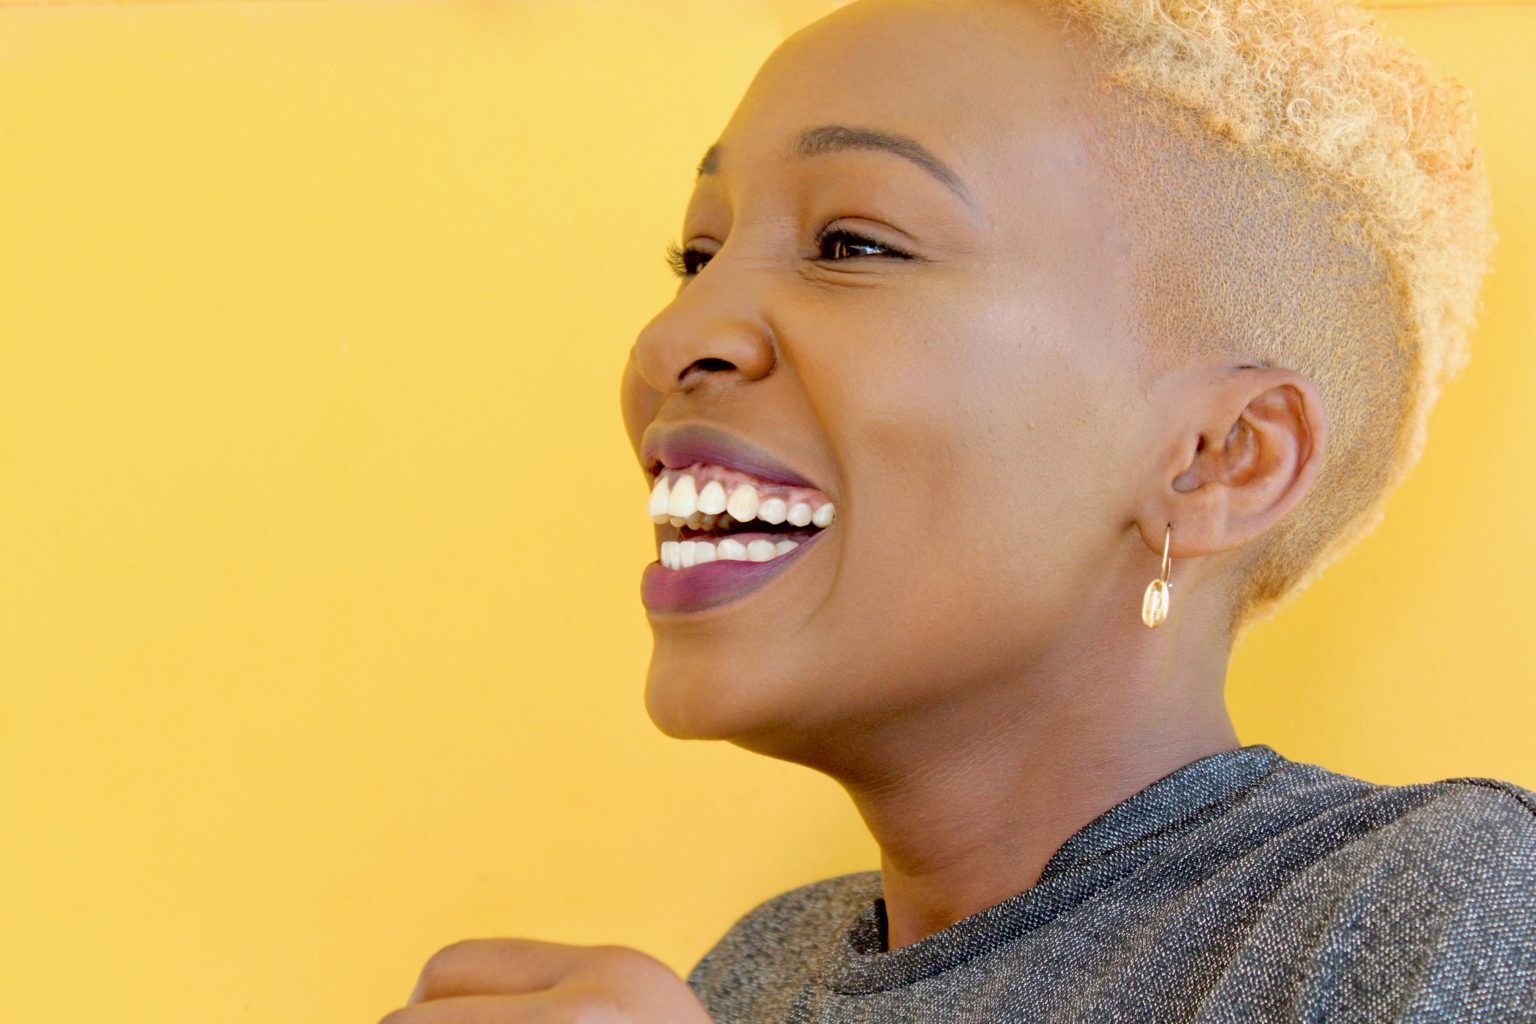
x=982, y=795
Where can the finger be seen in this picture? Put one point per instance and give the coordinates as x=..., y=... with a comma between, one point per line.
x=502, y=967
x=465, y=1010
x=533, y=1008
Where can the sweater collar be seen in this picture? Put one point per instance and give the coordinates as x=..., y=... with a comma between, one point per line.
x=857, y=960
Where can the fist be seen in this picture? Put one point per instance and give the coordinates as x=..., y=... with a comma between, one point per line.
x=513, y=981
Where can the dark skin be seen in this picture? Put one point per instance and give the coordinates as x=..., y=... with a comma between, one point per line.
x=963, y=651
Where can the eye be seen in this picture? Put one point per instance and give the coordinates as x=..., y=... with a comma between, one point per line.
x=683, y=261
x=687, y=263
x=842, y=239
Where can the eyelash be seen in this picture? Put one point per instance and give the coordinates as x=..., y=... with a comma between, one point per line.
x=678, y=257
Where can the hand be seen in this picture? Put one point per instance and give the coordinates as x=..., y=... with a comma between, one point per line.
x=519, y=981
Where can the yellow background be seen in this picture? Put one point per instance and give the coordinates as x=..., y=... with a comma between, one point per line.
x=320, y=539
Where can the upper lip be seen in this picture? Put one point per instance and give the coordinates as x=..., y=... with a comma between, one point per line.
x=680, y=446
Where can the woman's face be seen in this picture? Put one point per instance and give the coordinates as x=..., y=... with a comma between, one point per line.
x=968, y=407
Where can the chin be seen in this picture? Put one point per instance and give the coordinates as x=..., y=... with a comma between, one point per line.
x=702, y=703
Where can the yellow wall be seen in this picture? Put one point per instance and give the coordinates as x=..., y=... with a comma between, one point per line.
x=319, y=553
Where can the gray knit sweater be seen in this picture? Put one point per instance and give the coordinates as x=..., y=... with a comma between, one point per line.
x=1243, y=887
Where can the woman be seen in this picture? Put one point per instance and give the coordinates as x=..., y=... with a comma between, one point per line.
x=1009, y=330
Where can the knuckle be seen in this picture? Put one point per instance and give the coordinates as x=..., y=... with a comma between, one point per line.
x=442, y=965
x=623, y=957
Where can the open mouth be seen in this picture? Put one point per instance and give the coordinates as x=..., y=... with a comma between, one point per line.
x=713, y=513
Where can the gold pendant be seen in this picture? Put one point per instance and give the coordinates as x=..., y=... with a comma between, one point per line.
x=1154, y=603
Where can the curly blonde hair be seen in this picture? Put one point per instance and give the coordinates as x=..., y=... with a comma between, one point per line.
x=1324, y=210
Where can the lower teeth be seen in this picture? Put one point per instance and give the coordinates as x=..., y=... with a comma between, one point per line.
x=688, y=553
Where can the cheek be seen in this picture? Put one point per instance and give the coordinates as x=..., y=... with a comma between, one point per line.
x=971, y=428
x=972, y=497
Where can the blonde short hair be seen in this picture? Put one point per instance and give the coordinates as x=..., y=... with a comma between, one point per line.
x=1324, y=210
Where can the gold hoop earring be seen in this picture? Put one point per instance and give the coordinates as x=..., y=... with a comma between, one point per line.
x=1154, y=603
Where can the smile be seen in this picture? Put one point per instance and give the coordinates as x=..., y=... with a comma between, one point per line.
x=733, y=532
x=725, y=515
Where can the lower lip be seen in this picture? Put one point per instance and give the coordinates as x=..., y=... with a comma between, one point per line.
x=712, y=583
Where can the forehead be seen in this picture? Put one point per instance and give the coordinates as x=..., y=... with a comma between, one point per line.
x=991, y=88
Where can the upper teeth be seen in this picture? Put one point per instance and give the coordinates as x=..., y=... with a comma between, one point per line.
x=684, y=499
x=678, y=499
x=743, y=504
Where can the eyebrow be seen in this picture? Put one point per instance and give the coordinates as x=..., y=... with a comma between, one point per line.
x=833, y=138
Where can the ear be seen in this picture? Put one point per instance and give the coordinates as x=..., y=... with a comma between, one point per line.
x=1250, y=442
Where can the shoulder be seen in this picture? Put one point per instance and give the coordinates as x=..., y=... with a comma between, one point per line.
x=1417, y=854
x=1391, y=872
x=1463, y=850
x=1449, y=835
x=1432, y=816
x=781, y=936
x=1467, y=840
x=1424, y=894
x=1454, y=825
x=1497, y=796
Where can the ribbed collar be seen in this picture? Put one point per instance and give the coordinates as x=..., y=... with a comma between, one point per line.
x=859, y=962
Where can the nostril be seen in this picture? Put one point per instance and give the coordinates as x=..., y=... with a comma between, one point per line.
x=708, y=363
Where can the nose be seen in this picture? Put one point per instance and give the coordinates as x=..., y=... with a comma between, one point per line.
x=713, y=330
